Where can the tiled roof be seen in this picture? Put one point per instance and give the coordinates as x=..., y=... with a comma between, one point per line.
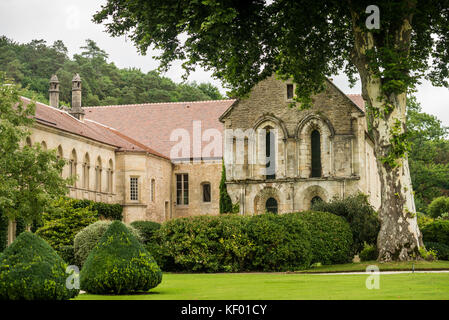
x=59, y=119
x=153, y=123
x=358, y=100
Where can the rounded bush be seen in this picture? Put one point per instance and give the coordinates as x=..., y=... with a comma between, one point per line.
x=119, y=264
x=437, y=231
x=438, y=206
x=369, y=253
x=87, y=238
x=441, y=249
x=31, y=270
x=146, y=229
x=331, y=237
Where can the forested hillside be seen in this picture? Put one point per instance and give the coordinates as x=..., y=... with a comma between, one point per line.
x=32, y=65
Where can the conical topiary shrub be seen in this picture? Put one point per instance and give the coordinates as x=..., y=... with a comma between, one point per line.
x=31, y=270
x=119, y=264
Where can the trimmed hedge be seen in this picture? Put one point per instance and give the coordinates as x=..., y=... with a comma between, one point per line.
x=360, y=215
x=369, y=253
x=119, y=264
x=331, y=237
x=31, y=270
x=235, y=243
x=441, y=249
x=437, y=231
x=146, y=229
x=104, y=210
x=86, y=239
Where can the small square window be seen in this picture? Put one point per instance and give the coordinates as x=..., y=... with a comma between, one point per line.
x=289, y=91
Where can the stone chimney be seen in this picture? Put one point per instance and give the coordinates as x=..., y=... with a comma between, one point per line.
x=54, y=91
x=76, y=110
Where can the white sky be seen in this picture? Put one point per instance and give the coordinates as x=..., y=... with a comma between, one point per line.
x=70, y=21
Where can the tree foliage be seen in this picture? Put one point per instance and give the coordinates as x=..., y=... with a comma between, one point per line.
x=30, y=177
x=32, y=65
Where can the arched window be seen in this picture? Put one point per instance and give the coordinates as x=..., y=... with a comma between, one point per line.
x=206, y=192
x=86, y=171
x=316, y=153
x=314, y=200
x=73, y=163
x=153, y=190
x=60, y=153
x=98, y=175
x=271, y=205
x=44, y=145
x=270, y=153
x=28, y=141
x=110, y=176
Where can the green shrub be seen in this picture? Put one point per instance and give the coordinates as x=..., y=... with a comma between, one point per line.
x=104, y=210
x=31, y=270
x=3, y=230
x=369, y=253
x=119, y=264
x=360, y=215
x=86, y=239
x=63, y=222
x=331, y=237
x=146, y=229
x=67, y=254
x=279, y=243
x=437, y=231
x=423, y=220
x=441, y=249
x=438, y=206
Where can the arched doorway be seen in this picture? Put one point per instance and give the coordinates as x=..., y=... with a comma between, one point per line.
x=314, y=200
x=271, y=205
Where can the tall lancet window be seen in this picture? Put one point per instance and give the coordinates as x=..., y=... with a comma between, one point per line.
x=316, y=153
x=270, y=154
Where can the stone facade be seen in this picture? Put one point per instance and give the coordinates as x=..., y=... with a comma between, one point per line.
x=346, y=158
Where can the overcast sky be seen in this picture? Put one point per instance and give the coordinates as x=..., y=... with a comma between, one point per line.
x=70, y=21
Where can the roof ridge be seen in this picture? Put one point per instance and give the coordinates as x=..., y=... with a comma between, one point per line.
x=157, y=103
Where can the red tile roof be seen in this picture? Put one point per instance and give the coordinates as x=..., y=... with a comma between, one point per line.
x=358, y=100
x=153, y=123
x=59, y=119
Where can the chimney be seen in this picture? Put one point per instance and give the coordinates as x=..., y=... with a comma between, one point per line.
x=76, y=110
x=54, y=91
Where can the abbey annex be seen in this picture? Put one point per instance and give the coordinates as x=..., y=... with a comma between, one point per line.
x=164, y=160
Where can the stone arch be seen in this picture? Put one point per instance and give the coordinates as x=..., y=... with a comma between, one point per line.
x=260, y=200
x=86, y=171
x=28, y=142
x=308, y=125
x=98, y=170
x=258, y=153
x=44, y=145
x=73, y=164
x=313, y=192
x=110, y=182
x=60, y=153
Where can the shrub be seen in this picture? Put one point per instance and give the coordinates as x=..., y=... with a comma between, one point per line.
x=119, y=264
x=63, y=222
x=67, y=254
x=146, y=229
x=437, y=231
x=441, y=249
x=423, y=220
x=3, y=230
x=279, y=243
x=104, y=210
x=360, y=215
x=86, y=239
x=331, y=237
x=31, y=270
x=368, y=253
x=428, y=255
x=438, y=206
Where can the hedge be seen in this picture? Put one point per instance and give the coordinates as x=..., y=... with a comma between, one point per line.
x=3, y=230
x=119, y=264
x=146, y=229
x=31, y=270
x=441, y=249
x=235, y=243
x=360, y=215
x=104, y=210
x=437, y=231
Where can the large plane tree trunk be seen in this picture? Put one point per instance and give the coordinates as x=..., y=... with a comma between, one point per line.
x=399, y=237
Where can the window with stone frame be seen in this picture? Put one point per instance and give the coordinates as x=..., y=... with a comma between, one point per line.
x=134, y=188
x=316, y=154
x=290, y=91
x=206, y=192
x=182, y=189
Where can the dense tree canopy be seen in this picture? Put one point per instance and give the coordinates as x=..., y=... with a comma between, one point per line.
x=244, y=42
x=32, y=65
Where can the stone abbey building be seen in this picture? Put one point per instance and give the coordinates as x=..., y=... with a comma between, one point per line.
x=164, y=160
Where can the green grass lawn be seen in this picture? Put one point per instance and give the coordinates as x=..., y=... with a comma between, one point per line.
x=390, y=266
x=288, y=286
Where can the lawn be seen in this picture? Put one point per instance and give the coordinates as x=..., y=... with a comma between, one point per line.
x=390, y=266
x=288, y=286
